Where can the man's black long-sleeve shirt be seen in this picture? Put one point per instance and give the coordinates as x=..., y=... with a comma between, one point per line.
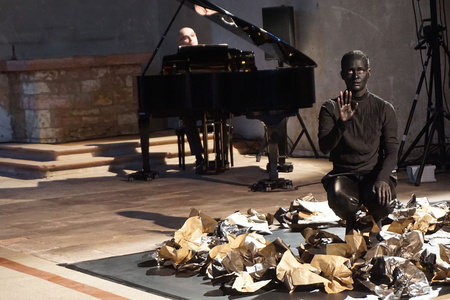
x=367, y=142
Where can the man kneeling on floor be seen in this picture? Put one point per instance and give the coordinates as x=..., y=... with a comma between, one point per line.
x=359, y=130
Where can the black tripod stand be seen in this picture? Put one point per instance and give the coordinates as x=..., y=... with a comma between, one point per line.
x=436, y=114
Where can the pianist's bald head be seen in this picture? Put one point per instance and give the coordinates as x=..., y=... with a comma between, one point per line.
x=187, y=36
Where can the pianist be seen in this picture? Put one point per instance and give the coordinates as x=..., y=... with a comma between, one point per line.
x=359, y=130
x=187, y=36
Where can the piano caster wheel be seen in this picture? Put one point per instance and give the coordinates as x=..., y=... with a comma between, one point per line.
x=256, y=187
x=288, y=167
x=285, y=168
x=267, y=185
x=288, y=185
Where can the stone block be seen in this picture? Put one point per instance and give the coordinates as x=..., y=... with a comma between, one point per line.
x=90, y=85
x=124, y=119
x=35, y=88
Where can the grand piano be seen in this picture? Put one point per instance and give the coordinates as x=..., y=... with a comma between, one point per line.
x=229, y=84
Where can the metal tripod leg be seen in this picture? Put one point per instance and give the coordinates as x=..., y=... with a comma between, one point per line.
x=304, y=131
x=408, y=123
x=416, y=140
x=426, y=150
x=413, y=108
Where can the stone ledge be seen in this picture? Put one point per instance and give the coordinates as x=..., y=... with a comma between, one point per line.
x=73, y=62
x=97, y=147
x=30, y=169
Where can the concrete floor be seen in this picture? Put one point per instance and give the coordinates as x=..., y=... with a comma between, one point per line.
x=82, y=217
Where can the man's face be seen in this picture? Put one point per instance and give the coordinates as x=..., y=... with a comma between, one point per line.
x=356, y=73
x=187, y=36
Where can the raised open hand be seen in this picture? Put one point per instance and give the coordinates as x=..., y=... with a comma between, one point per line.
x=346, y=111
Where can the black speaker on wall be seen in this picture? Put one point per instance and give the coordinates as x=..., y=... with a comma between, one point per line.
x=280, y=22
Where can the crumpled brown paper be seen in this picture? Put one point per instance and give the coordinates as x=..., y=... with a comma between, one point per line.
x=185, y=241
x=244, y=283
x=293, y=273
x=208, y=223
x=418, y=214
x=245, y=263
x=442, y=265
x=354, y=247
x=316, y=237
x=397, y=265
x=337, y=270
x=331, y=270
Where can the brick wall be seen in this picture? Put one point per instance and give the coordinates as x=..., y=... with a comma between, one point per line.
x=69, y=99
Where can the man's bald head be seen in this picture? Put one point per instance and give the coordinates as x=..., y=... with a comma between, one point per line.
x=187, y=36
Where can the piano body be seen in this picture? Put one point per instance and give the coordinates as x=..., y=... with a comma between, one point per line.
x=217, y=79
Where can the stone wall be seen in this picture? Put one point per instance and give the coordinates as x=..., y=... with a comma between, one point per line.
x=69, y=99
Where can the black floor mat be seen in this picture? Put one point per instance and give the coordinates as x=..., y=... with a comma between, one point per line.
x=162, y=281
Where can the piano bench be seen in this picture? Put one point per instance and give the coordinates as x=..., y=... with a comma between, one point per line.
x=222, y=146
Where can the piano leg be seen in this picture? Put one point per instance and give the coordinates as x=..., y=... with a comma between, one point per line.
x=282, y=165
x=144, y=132
x=274, y=138
x=275, y=133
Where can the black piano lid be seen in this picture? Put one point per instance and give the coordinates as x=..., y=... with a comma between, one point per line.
x=265, y=40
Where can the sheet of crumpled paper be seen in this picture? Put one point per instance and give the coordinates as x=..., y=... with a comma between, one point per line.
x=244, y=264
x=244, y=283
x=293, y=273
x=392, y=277
x=219, y=251
x=208, y=223
x=306, y=211
x=337, y=270
x=406, y=245
x=316, y=237
x=442, y=265
x=417, y=214
x=355, y=245
x=254, y=221
x=256, y=240
x=186, y=239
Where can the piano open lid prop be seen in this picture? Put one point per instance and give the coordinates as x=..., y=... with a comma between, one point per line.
x=267, y=95
x=251, y=33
